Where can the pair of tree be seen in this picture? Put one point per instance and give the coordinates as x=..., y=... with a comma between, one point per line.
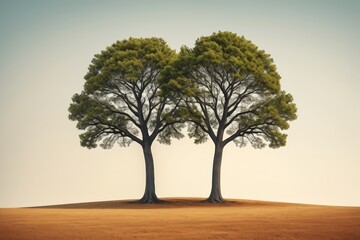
x=140, y=90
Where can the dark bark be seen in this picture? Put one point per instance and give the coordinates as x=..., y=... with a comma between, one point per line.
x=149, y=194
x=215, y=195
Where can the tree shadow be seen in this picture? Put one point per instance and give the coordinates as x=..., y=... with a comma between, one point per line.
x=135, y=204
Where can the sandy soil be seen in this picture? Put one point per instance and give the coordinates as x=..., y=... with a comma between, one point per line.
x=181, y=219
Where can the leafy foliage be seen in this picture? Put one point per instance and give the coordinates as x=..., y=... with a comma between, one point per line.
x=232, y=92
x=123, y=101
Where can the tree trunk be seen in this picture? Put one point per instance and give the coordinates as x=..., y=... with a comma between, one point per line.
x=149, y=194
x=215, y=195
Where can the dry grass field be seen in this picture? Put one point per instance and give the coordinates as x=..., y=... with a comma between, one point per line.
x=181, y=219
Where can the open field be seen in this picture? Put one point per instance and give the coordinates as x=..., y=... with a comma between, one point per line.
x=181, y=219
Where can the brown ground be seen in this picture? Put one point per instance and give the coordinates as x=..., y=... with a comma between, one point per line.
x=181, y=219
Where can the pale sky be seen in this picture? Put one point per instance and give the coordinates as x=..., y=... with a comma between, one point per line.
x=46, y=47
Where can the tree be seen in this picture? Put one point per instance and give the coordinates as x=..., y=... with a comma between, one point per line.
x=123, y=101
x=232, y=93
